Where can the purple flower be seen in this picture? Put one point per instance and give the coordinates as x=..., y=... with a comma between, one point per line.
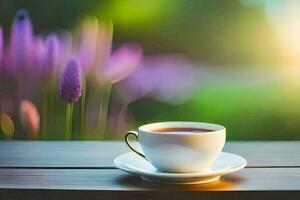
x=104, y=44
x=71, y=83
x=94, y=52
x=87, y=43
x=38, y=54
x=51, y=57
x=122, y=62
x=20, y=42
x=65, y=46
x=168, y=78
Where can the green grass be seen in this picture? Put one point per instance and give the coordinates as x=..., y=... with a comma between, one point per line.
x=251, y=112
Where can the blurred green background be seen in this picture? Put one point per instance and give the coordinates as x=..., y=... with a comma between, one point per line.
x=247, y=50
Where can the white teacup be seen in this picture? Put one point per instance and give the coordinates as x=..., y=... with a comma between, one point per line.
x=182, y=151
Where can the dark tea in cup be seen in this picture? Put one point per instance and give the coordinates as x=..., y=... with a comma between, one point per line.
x=181, y=129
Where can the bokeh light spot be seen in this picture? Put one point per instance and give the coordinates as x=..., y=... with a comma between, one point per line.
x=7, y=125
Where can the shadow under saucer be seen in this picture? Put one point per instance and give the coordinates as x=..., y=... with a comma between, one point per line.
x=136, y=182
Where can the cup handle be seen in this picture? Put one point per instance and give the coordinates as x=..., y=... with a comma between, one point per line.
x=135, y=134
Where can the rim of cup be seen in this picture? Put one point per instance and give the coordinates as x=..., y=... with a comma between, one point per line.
x=213, y=128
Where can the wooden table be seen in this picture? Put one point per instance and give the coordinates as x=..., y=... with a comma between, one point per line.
x=84, y=170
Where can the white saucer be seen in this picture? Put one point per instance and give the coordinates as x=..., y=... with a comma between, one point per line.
x=225, y=164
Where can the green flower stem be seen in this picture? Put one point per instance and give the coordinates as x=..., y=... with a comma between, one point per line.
x=45, y=113
x=69, y=119
x=83, y=111
x=57, y=119
x=103, y=108
x=60, y=111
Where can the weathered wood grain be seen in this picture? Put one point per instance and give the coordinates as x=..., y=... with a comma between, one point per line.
x=84, y=170
x=32, y=194
x=254, y=179
x=92, y=154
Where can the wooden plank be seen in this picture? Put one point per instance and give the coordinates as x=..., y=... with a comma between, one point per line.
x=59, y=153
x=262, y=154
x=31, y=194
x=251, y=179
x=95, y=154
